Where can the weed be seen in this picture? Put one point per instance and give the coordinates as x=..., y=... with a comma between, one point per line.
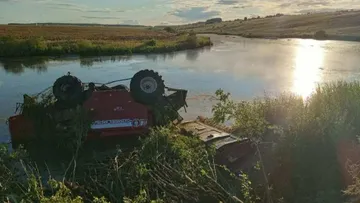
x=166, y=167
x=151, y=42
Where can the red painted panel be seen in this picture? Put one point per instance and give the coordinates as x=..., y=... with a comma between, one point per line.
x=115, y=112
x=21, y=129
x=115, y=104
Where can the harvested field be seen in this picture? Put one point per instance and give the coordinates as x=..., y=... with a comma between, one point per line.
x=81, y=32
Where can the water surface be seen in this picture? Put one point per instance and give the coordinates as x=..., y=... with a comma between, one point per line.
x=246, y=68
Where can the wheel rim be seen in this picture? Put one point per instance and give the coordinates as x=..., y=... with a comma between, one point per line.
x=64, y=87
x=148, y=85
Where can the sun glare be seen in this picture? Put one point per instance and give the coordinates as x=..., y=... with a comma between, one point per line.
x=308, y=63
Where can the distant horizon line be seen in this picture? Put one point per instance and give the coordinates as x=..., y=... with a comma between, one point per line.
x=142, y=25
x=102, y=24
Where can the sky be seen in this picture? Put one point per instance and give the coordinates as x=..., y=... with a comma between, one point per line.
x=155, y=12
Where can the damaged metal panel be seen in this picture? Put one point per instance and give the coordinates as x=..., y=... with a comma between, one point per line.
x=231, y=150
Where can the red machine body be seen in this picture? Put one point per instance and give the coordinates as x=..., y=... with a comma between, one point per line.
x=115, y=113
x=119, y=112
x=21, y=129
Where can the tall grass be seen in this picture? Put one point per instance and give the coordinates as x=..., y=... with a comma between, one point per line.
x=305, y=136
x=166, y=167
x=38, y=46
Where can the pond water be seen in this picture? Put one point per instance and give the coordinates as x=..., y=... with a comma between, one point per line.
x=246, y=68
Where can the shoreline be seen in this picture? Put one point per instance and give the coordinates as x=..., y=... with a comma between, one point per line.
x=275, y=37
x=92, y=48
x=39, y=47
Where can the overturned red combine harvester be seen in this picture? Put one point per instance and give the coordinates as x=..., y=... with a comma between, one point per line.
x=119, y=111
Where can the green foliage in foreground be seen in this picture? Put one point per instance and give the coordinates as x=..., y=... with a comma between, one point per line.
x=304, y=135
x=167, y=167
x=301, y=165
x=11, y=47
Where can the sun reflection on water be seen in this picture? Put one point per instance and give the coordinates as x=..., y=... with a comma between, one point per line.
x=308, y=61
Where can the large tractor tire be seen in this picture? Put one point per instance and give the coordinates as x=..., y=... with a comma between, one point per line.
x=147, y=87
x=68, y=90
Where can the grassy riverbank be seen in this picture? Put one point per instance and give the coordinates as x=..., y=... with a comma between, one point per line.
x=18, y=41
x=305, y=149
x=336, y=25
x=310, y=149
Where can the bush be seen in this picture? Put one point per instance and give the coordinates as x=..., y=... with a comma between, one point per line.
x=320, y=35
x=150, y=43
x=191, y=41
x=305, y=136
x=214, y=20
x=169, y=29
x=10, y=46
x=165, y=167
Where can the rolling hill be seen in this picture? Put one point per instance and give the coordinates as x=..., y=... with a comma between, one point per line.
x=340, y=25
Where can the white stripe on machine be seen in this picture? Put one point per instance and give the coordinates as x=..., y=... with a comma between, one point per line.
x=122, y=123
